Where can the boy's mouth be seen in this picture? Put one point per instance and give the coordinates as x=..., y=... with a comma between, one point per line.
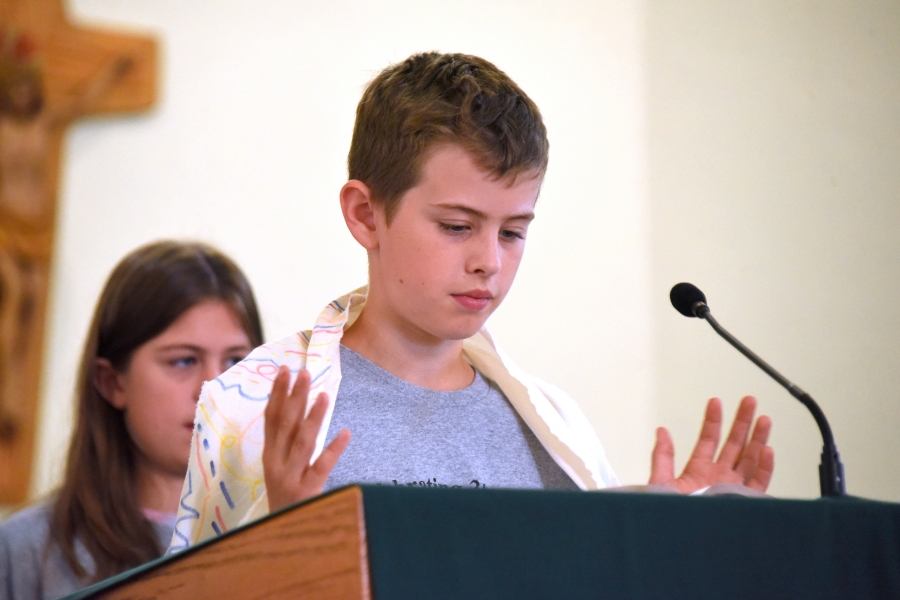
x=474, y=299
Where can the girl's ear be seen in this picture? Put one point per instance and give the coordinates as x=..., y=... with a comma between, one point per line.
x=106, y=380
x=359, y=213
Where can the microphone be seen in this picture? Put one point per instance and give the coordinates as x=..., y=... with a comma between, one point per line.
x=691, y=302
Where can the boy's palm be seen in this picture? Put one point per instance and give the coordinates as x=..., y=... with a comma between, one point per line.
x=750, y=464
x=290, y=438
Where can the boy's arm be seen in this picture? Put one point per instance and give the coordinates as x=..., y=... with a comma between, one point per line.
x=750, y=464
x=290, y=439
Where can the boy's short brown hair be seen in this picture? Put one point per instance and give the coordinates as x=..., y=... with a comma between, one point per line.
x=434, y=98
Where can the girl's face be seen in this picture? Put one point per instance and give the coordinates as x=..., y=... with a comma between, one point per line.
x=158, y=391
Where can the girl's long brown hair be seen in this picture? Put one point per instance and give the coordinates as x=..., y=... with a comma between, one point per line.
x=146, y=292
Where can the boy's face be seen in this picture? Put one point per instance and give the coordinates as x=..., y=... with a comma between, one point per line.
x=453, y=247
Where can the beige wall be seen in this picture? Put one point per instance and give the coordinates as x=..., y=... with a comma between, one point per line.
x=774, y=143
x=748, y=151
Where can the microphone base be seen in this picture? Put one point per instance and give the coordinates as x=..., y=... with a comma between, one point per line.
x=831, y=473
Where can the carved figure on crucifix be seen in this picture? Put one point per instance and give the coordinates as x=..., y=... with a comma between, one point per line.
x=51, y=73
x=27, y=126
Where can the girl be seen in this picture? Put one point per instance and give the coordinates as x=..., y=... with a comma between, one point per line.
x=171, y=316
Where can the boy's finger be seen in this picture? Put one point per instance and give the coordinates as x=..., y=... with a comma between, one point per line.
x=662, y=460
x=737, y=437
x=762, y=430
x=710, y=431
x=320, y=470
x=312, y=424
x=748, y=463
x=764, y=469
x=304, y=443
x=274, y=413
x=295, y=411
x=300, y=391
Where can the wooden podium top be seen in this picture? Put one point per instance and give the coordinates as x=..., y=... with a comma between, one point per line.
x=392, y=542
x=315, y=550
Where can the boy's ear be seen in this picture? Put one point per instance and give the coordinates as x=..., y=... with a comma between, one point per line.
x=359, y=213
x=106, y=380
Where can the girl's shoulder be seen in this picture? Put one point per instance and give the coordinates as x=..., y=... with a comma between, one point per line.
x=29, y=525
x=23, y=552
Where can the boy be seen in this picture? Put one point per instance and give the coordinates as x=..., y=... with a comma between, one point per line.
x=445, y=165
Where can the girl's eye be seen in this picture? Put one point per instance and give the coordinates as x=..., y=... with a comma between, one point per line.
x=454, y=228
x=183, y=362
x=232, y=360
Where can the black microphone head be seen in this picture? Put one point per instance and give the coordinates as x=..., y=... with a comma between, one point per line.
x=685, y=296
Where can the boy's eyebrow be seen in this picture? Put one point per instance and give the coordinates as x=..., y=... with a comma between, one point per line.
x=526, y=216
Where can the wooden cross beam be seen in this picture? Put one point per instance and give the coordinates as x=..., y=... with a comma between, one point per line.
x=51, y=73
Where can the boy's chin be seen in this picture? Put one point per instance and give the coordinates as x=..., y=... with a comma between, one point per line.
x=462, y=332
x=451, y=327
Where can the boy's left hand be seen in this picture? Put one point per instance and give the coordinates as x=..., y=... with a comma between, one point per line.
x=750, y=464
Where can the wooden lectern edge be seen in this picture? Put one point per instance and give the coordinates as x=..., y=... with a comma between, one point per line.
x=365, y=574
x=354, y=493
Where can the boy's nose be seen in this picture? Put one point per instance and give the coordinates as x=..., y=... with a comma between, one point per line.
x=486, y=258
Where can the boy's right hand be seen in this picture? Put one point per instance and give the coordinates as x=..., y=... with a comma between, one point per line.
x=290, y=438
x=749, y=463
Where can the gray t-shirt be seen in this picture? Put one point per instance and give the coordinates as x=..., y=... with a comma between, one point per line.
x=29, y=571
x=403, y=434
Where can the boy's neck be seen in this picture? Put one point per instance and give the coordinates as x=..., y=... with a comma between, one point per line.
x=410, y=356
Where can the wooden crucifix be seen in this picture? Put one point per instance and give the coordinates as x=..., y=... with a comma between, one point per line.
x=51, y=73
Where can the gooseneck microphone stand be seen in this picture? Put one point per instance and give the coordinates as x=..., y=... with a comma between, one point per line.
x=690, y=301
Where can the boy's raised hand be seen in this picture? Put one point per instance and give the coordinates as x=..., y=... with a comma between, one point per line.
x=290, y=438
x=750, y=464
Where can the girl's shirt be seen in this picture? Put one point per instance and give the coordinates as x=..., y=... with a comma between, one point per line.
x=32, y=570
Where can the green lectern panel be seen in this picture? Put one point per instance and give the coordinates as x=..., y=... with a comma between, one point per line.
x=446, y=543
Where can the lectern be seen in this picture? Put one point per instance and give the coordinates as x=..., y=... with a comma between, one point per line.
x=389, y=542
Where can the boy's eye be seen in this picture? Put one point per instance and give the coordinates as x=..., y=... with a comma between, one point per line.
x=509, y=234
x=453, y=228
